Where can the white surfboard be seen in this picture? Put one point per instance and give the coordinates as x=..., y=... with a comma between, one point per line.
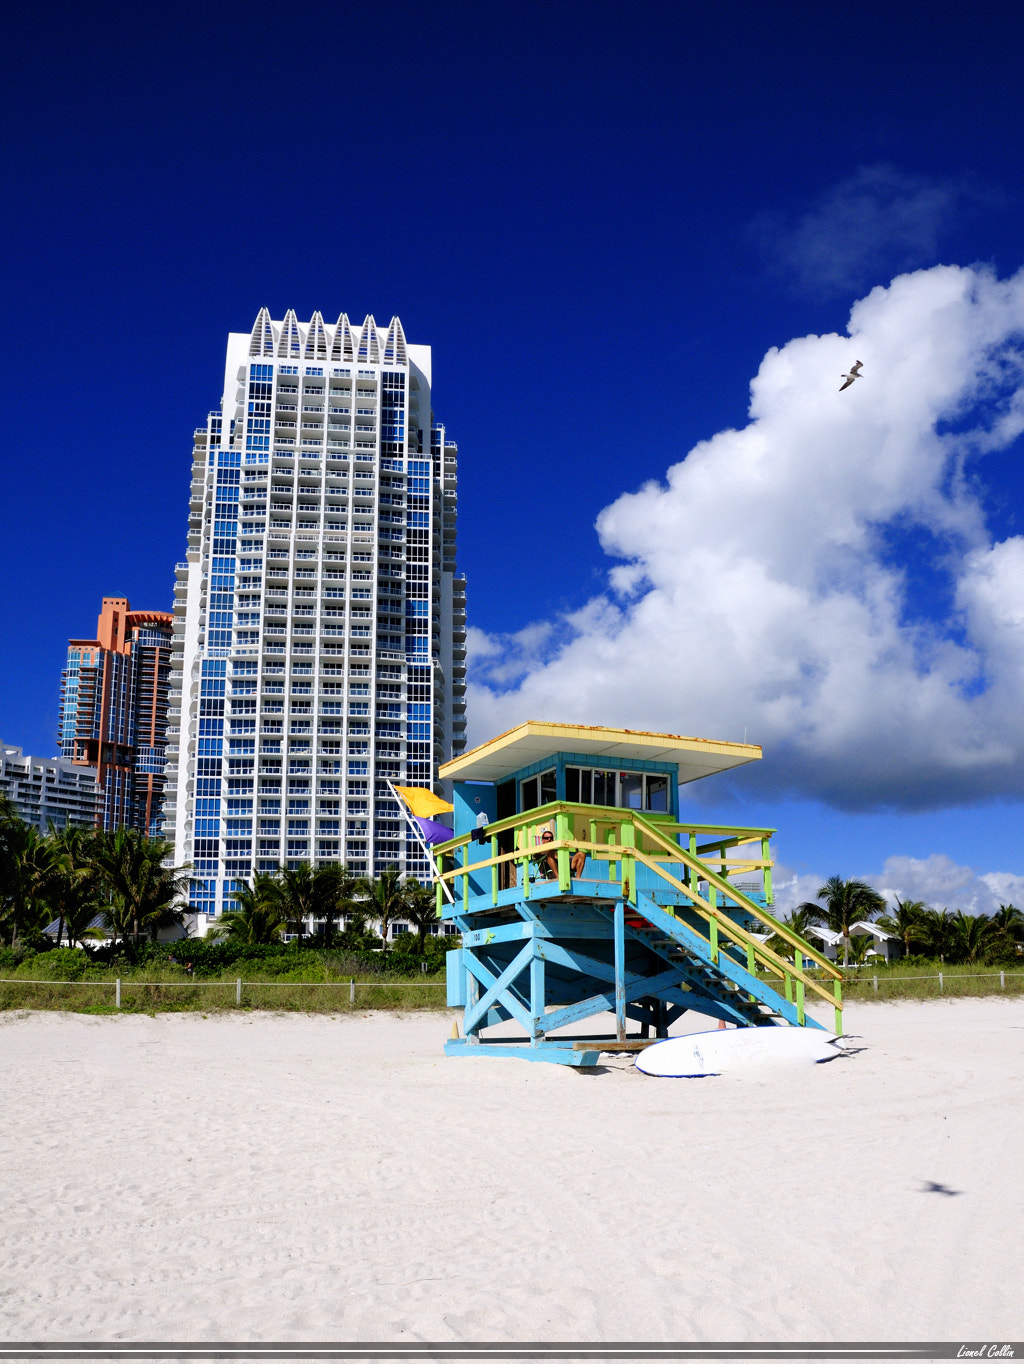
x=710, y=1053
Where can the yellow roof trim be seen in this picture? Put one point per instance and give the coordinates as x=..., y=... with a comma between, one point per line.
x=512, y=750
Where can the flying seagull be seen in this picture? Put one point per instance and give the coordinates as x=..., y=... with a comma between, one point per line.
x=853, y=374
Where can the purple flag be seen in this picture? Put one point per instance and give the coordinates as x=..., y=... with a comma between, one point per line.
x=432, y=831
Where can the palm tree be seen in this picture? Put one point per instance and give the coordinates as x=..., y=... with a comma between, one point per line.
x=27, y=863
x=256, y=927
x=420, y=910
x=75, y=884
x=144, y=892
x=305, y=893
x=1008, y=922
x=972, y=933
x=799, y=921
x=79, y=920
x=846, y=902
x=937, y=932
x=118, y=919
x=356, y=928
x=905, y=922
x=385, y=899
x=859, y=949
x=258, y=918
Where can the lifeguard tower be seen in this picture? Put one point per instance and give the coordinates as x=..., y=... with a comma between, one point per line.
x=663, y=916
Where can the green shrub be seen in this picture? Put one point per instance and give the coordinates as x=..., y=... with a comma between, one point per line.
x=63, y=963
x=12, y=957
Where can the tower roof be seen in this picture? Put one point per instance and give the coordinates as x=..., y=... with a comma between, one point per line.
x=291, y=339
x=535, y=740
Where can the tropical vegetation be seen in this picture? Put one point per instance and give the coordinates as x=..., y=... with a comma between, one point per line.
x=333, y=907
x=77, y=886
x=943, y=935
x=846, y=903
x=82, y=884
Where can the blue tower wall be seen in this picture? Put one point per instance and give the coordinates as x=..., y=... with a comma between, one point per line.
x=471, y=799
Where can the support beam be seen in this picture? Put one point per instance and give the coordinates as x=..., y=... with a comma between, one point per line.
x=619, y=925
x=563, y=1054
x=537, y=996
x=637, y=987
x=496, y=987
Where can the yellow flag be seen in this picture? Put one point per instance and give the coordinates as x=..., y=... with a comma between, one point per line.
x=422, y=802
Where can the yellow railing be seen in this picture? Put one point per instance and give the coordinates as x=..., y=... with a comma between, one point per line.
x=622, y=839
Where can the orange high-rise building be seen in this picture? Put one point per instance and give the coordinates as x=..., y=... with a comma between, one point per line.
x=113, y=712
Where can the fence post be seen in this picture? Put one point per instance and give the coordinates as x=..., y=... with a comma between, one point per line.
x=1002, y=980
x=874, y=984
x=238, y=993
x=940, y=982
x=352, y=990
x=117, y=993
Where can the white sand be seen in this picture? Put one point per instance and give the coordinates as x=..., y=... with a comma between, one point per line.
x=277, y=1177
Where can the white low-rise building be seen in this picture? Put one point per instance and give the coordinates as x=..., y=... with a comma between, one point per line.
x=886, y=945
x=48, y=790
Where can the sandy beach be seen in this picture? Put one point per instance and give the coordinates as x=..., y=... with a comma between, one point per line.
x=284, y=1177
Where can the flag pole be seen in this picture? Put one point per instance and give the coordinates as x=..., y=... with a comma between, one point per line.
x=418, y=835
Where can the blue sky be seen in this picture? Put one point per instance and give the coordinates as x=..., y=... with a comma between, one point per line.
x=603, y=219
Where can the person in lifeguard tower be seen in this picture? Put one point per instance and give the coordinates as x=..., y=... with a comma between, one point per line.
x=547, y=863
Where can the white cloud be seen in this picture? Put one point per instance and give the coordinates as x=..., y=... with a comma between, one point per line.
x=880, y=219
x=1004, y=887
x=937, y=880
x=791, y=889
x=761, y=586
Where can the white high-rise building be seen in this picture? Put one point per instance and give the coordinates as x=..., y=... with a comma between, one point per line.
x=319, y=635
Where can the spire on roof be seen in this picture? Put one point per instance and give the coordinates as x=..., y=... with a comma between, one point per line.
x=394, y=346
x=262, y=340
x=316, y=339
x=290, y=344
x=369, y=346
x=342, y=348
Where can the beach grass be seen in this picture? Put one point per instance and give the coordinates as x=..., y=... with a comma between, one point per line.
x=930, y=980
x=324, y=986
x=310, y=989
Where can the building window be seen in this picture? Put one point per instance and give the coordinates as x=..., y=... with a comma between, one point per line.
x=538, y=790
x=626, y=790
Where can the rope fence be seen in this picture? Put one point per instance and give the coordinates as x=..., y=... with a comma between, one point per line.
x=238, y=984
x=946, y=982
x=942, y=977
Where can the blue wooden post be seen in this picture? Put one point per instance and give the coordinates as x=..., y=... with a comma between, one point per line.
x=537, y=999
x=798, y=962
x=563, y=832
x=472, y=995
x=628, y=832
x=619, y=929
